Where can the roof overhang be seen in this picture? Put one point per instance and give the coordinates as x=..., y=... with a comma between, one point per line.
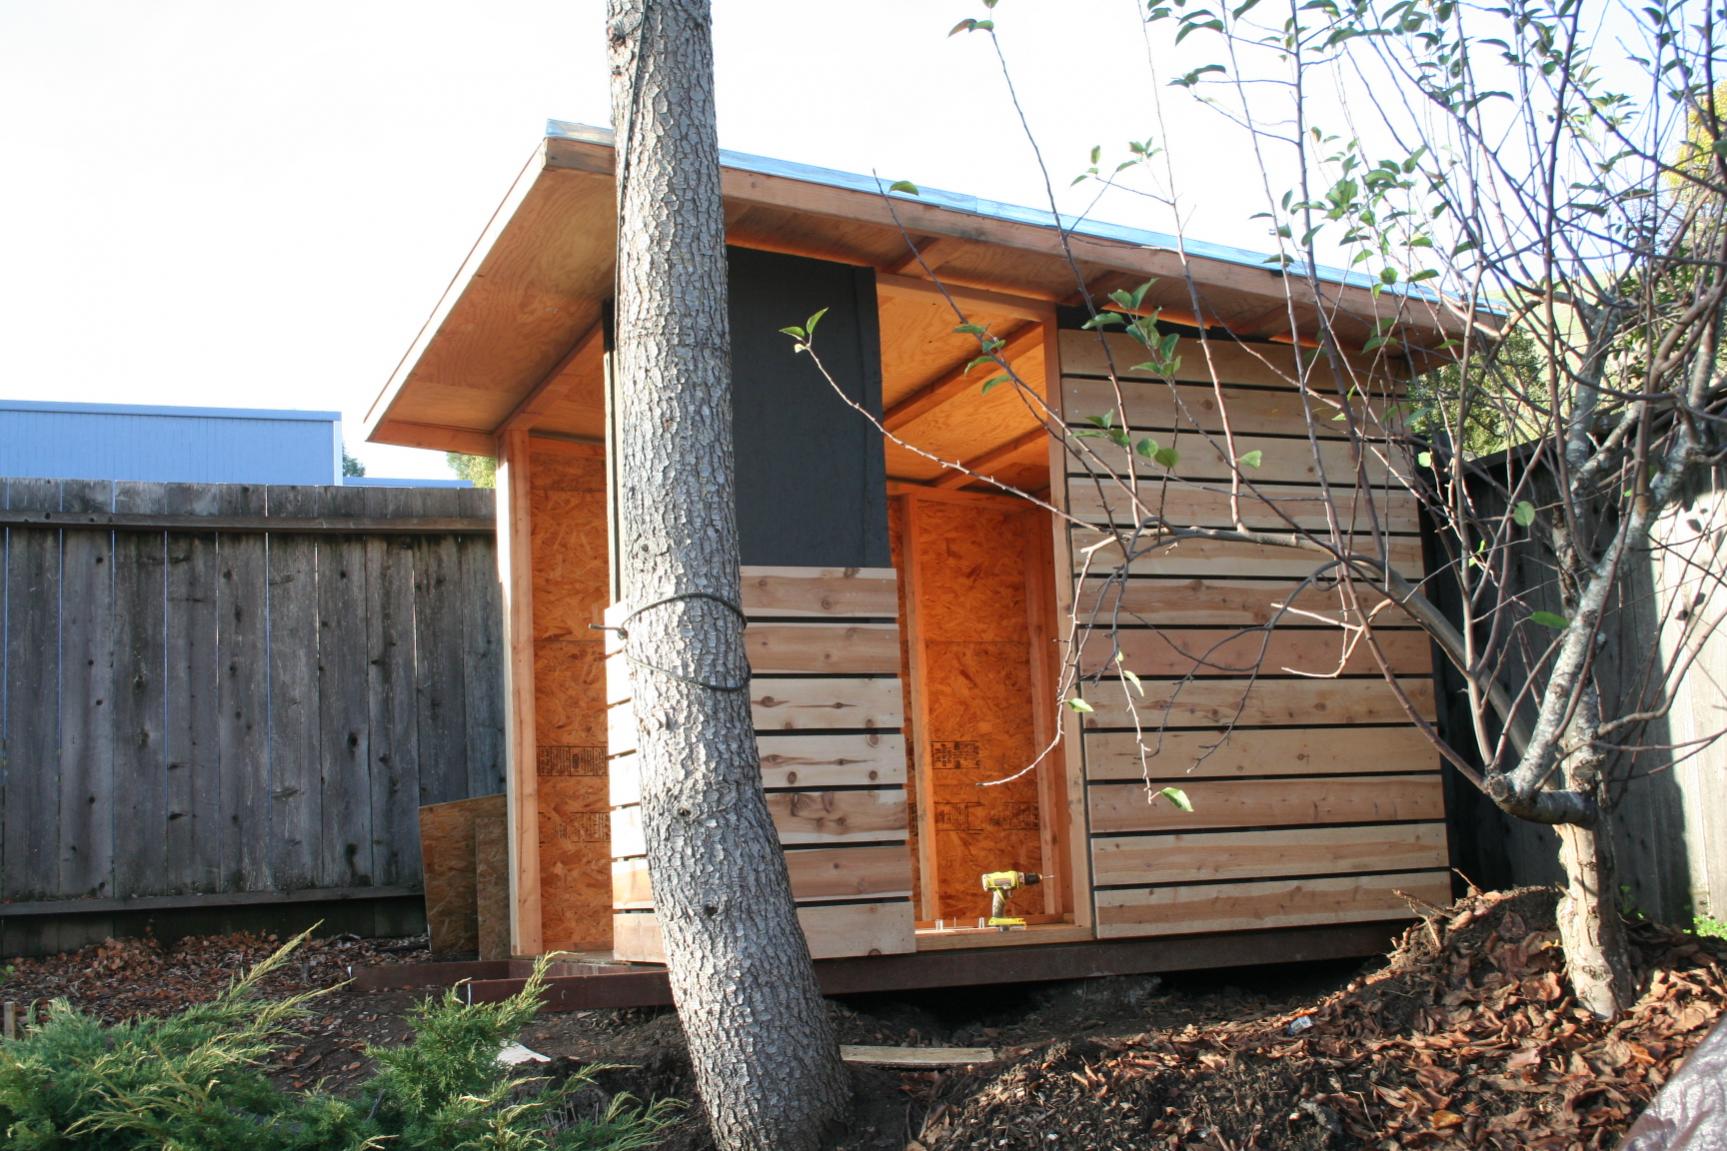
x=515, y=340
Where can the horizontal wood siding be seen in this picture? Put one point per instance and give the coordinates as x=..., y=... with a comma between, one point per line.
x=824, y=657
x=1315, y=798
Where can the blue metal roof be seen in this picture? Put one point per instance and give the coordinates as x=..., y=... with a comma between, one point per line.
x=167, y=410
x=996, y=210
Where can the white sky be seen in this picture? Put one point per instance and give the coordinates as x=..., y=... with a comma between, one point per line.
x=257, y=204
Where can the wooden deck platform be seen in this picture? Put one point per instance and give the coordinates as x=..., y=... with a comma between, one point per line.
x=591, y=982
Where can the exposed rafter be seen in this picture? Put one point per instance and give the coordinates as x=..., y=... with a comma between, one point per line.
x=999, y=454
x=956, y=380
x=543, y=396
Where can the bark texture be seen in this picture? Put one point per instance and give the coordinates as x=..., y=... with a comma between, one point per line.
x=762, y=1045
x=1597, y=954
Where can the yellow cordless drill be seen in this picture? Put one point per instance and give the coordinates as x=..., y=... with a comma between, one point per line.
x=1000, y=885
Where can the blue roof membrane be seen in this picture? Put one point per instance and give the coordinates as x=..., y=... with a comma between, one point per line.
x=1013, y=213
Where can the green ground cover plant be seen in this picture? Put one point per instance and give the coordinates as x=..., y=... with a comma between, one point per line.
x=196, y=1081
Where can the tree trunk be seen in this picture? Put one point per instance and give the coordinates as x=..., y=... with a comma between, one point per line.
x=1597, y=956
x=760, y=1040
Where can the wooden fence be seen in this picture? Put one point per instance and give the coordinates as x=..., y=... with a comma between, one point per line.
x=1670, y=796
x=222, y=695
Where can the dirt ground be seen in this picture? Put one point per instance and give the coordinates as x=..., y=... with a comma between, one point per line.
x=1466, y=1036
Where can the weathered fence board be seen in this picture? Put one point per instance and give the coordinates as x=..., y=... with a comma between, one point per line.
x=204, y=717
x=139, y=634
x=192, y=732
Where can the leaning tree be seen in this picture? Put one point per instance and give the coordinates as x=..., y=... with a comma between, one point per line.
x=766, y=1061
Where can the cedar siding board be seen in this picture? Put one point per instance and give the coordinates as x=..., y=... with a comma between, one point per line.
x=835, y=782
x=1298, y=818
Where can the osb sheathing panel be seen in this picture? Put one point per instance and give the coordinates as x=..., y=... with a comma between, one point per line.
x=972, y=610
x=448, y=854
x=571, y=586
x=575, y=855
x=492, y=884
x=569, y=693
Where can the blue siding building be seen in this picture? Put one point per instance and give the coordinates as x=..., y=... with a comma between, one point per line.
x=169, y=444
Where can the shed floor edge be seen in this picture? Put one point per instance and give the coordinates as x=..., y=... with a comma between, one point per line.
x=604, y=986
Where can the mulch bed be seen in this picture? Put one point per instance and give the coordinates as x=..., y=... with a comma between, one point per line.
x=1468, y=1037
x=1465, y=1037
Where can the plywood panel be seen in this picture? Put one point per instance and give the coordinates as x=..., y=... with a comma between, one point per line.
x=1117, y=807
x=492, y=884
x=1170, y=652
x=1210, y=856
x=569, y=690
x=970, y=423
x=571, y=587
x=1267, y=703
x=1177, y=756
x=447, y=846
x=1201, y=908
x=575, y=854
x=1266, y=506
x=1229, y=559
x=571, y=569
x=975, y=660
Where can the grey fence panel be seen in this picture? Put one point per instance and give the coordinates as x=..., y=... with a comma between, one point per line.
x=1668, y=795
x=201, y=716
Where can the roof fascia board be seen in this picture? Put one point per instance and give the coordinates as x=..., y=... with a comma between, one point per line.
x=593, y=153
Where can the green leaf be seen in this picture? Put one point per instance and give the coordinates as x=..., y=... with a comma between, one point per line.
x=794, y=332
x=1178, y=797
x=1103, y=320
x=1523, y=514
x=1128, y=675
x=1146, y=447
x=905, y=186
x=993, y=382
x=1168, y=457
x=971, y=330
x=810, y=324
x=1079, y=705
x=1251, y=459
x=1549, y=619
x=1425, y=459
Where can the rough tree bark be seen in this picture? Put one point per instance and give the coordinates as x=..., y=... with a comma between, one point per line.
x=760, y=1039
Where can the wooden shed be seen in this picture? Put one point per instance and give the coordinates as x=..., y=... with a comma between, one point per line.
x=908, y=626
